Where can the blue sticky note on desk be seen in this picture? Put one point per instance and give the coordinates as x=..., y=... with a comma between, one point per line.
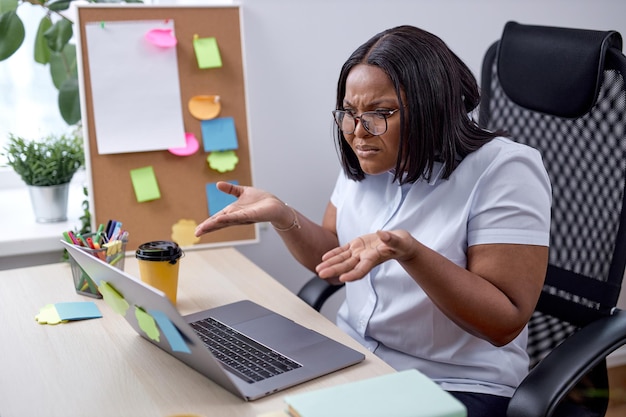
x=219, y=134
x=216, y=199
x=79, y=310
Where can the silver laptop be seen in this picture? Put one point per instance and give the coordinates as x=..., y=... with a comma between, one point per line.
x=247, y=349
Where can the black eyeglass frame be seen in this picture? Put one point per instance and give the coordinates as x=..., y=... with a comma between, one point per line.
x=385, y=114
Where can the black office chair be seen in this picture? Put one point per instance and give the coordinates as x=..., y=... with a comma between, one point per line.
x=563, y=92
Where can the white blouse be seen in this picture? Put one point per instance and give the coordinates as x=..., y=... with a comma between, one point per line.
x=498, y=194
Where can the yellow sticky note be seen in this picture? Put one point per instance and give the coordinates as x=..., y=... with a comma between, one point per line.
x=207, y=52
x=183, y=232
x=48, y=314
x=147, y=324
x=145, y=184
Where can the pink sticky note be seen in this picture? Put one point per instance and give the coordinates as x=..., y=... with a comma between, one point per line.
x=190, y=148
x=161, y=37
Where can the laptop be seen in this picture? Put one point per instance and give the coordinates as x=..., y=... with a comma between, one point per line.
x=245, y=348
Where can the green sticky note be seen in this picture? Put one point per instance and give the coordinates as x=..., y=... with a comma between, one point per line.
x=207, y=53
x=113, y=298
x=147, y=324
x=223, y=161
x=145, y=184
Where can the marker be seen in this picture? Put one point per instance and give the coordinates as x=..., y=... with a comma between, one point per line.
x=74, y=239
x=99, y=232
x=67, y=237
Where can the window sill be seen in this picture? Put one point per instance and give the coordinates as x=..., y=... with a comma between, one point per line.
x=21, y=234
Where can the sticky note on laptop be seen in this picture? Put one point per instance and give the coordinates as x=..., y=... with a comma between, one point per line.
x=402, y=394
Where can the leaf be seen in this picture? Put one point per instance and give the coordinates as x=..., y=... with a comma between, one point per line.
x=11, y=34
x=42, y=50
x=69, y=101
x=59, y=35
x=58, y=6
x=63, y=65
x=8, y=5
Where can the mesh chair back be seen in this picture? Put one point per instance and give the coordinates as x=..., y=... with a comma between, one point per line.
x=583, y=144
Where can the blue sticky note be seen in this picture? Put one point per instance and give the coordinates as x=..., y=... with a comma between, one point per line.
x=219, y=134
x=170, y=331
x=79, y=310
x=216, y=199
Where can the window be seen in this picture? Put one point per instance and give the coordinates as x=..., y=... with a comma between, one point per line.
x=28, y=99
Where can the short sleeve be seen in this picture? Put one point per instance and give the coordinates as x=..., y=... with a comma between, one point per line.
x=512, y=201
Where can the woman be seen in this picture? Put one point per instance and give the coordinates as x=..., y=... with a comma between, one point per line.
x=439, y=228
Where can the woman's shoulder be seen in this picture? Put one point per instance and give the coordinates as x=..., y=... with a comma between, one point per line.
x=503, y=144
x=500, y=148
x=499, y=153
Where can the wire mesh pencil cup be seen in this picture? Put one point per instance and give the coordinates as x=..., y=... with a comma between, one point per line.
x=112, y=253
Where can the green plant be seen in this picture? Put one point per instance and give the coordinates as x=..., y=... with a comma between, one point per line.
x=51, y=161
x=52, y=47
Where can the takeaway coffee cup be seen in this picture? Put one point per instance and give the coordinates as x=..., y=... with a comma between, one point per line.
x=158, y=265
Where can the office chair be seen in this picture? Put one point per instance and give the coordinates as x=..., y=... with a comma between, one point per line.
x=563, y=92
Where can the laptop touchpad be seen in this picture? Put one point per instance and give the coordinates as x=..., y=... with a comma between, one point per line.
x=279, y=333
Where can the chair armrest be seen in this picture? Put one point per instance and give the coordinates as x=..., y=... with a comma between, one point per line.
x=555, y=375
x=316, y=291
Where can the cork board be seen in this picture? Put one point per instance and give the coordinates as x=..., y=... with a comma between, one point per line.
x=182, y=180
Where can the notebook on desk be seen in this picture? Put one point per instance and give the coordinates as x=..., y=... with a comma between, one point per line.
x=247, y=349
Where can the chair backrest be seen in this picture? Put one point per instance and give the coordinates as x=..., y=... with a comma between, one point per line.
x=563, y=91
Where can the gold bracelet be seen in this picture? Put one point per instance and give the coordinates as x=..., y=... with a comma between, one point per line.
x=295, y=223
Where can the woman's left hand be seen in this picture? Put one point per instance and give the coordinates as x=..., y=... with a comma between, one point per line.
x=355, y=259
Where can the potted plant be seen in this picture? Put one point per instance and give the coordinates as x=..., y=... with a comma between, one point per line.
x=47, y=167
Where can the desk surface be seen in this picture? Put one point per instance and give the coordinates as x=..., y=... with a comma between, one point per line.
x=101, y=367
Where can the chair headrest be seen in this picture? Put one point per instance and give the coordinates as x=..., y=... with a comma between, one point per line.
x=553, y=70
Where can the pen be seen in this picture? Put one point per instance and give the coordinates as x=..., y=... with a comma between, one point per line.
x=117, y=228
x=108, y=230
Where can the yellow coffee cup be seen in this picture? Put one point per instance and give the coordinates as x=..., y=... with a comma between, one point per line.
x=158, y=265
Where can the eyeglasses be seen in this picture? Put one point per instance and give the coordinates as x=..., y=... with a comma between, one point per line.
x=375, y=122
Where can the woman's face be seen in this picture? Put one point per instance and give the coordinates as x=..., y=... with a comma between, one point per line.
x=368, y=88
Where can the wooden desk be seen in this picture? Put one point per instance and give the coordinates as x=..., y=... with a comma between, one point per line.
x=101, y=367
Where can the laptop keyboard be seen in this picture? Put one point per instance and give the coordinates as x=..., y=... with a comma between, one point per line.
x=241, y=355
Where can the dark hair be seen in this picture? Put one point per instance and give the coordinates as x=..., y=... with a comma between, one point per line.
x=440, y=92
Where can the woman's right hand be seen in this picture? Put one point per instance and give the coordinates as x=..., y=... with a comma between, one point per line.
x=252, y=206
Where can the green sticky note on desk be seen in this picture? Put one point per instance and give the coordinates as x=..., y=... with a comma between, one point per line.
x=145, y=184
x=207, y=52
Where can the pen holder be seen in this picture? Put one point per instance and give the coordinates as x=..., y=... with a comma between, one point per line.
x=113, y=253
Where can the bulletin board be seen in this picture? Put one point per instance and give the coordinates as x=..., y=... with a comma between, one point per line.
x=158, y=194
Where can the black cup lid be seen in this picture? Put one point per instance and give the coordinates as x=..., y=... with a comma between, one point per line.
x=159, y=250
